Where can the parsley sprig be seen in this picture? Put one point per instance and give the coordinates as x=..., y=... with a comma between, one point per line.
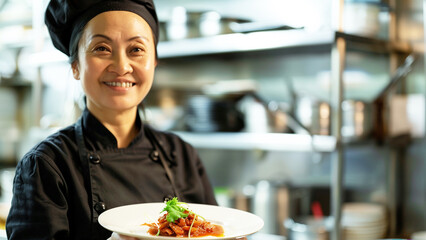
x=175, y=210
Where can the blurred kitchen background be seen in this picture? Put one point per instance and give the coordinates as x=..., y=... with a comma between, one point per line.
x=256, y=87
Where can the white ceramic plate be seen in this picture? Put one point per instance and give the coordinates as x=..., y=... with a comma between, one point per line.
x=128, y=220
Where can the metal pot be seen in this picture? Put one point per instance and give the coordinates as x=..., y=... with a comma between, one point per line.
x=192, y=24
x=269, y=200
x=308, y=228
x=316, y=116
x=210, y=114
x=357, y=120
x=360, y=119
x=313, y=114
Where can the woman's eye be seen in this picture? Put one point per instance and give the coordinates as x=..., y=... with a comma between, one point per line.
x=101, y=49
x=137, y=50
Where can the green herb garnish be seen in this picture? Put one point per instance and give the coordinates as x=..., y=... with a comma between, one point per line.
x=175, y=210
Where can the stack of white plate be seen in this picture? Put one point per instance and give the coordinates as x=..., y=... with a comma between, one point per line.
x=363, y=221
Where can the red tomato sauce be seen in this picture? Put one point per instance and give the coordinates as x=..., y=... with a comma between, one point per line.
x=182, y=227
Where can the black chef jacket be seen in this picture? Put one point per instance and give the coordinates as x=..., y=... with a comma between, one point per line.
x=60, y=188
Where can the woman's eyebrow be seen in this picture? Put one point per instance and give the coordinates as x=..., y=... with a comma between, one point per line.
x=138, y=37
x=102, y=36
x=130, y=39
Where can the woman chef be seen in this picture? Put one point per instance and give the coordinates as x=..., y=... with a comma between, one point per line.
x=108, y=158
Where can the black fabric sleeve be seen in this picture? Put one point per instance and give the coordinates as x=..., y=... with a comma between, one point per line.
x=39, y=206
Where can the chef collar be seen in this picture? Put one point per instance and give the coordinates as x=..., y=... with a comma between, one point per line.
x=100, y=137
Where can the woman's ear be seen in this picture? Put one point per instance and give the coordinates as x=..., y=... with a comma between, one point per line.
x=75, y=71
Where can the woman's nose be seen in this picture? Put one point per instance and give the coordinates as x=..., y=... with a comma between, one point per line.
x=121, y=64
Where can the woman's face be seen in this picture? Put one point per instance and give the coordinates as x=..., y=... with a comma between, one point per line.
x=116, y=61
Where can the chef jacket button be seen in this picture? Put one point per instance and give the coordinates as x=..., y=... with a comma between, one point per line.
x=94, y=158
x=99, y=207
x=154, y=155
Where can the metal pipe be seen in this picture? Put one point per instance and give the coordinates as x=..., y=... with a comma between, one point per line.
x=391, y=192
x=338, y=65
x=337, y=69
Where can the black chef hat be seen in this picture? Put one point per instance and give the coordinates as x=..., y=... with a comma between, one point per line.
x=66, y=18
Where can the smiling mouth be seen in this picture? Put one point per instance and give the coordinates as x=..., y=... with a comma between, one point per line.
x=120, y=84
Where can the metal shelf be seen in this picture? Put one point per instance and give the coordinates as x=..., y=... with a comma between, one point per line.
x=260, y=141
x=243, y=42
x=374, y=44
x=269, y=40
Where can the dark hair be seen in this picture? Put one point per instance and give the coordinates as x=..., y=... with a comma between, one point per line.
x=74, y=47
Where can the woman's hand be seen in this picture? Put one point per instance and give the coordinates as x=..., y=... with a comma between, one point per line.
x=116, y=236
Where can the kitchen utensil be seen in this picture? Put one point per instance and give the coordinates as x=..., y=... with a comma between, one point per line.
x=192, y=24
x=357, y=120
x=210, y=114
x=268, y=199
x=360, y=119
x=314, y=114
x=308, y=228
x=310, y=113
x=280, y=118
